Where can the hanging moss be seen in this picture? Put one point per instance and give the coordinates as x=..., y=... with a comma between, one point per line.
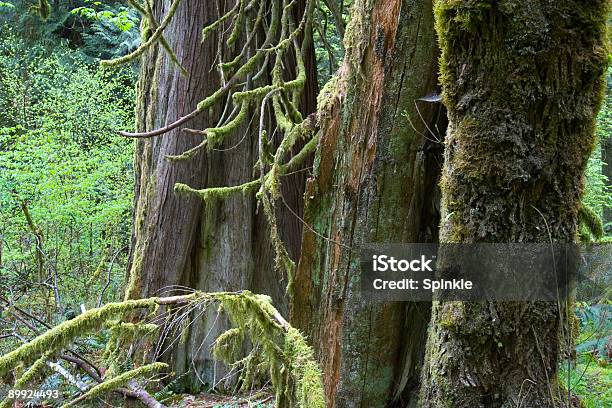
x=252, y=30
x=277, y=348
x=228, y=345
x=144, y=46
x=216, y=135
x=189, y=153
x=210, y=28
x=216, y=193
x=98, y=270
x=591, y=227
x=256, y=94
x=147, y=27
x=299, y=158
x=238, y=25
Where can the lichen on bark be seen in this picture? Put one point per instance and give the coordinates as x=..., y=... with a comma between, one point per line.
x=522, y=82
x=374, y=180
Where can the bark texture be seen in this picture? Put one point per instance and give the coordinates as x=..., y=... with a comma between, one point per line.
x=522, y=82
x=606, y=158
x=178, y=239
x=374, y=180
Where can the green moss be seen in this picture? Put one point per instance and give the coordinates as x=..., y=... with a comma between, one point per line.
x=228, y=346
x=189, y=153
x=27, y=377
x=210, y=28
x=256, y=94
x=304, y=370
x=216, y=135
x=59, y=336
x=217, y=193
x=591, y=226
x=144, y=46
x=117, y=382
x=277, y=348
x=328, y=95
x=238, y=24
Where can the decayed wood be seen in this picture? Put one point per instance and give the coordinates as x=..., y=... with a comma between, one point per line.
x=375, y=182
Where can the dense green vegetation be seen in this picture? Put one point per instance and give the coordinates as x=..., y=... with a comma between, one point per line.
x=598, y=193
x=65, y=177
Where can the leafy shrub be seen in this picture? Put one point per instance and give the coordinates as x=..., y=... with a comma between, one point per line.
x=61, y=161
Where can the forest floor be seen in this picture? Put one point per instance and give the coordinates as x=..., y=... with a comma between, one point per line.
x=218, y=401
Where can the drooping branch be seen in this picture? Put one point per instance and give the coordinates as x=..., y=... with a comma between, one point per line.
x=291, y=366
x=154, y=38
x=285, y=39
x=59, y=336
x=117, y=382
x=150, y=23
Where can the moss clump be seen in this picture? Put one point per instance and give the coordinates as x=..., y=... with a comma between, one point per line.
x=308, y=386
x=217, y=193
x=590, y=224
x=276, y=347
x=228, y=345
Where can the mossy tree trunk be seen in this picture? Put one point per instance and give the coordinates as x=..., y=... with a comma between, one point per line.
x=522, y=82
x=374, y=180
x=606, y=158
x=178, y=239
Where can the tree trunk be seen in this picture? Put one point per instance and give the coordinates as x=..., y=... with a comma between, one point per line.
x=606, y=158
x=179, y=240
x=374, y=181
x=522, y=82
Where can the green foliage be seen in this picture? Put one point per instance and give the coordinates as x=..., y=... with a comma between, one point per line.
x=99, y=29
x=327, y=37
x=598, y=192
x=590, y=376
x=60, y=157
x=113, y=32
x=277, y=348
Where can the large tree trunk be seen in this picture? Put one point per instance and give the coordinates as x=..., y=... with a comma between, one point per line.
x=179, y=240
x=522, y=82
x=374, y=181
x=606, y=158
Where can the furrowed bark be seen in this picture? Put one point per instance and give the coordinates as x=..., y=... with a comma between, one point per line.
x=177, y=239
x=374, y=180
x=606, y=158
x=522, y=82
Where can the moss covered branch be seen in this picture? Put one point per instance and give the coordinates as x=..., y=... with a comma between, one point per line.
x=280, y=350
